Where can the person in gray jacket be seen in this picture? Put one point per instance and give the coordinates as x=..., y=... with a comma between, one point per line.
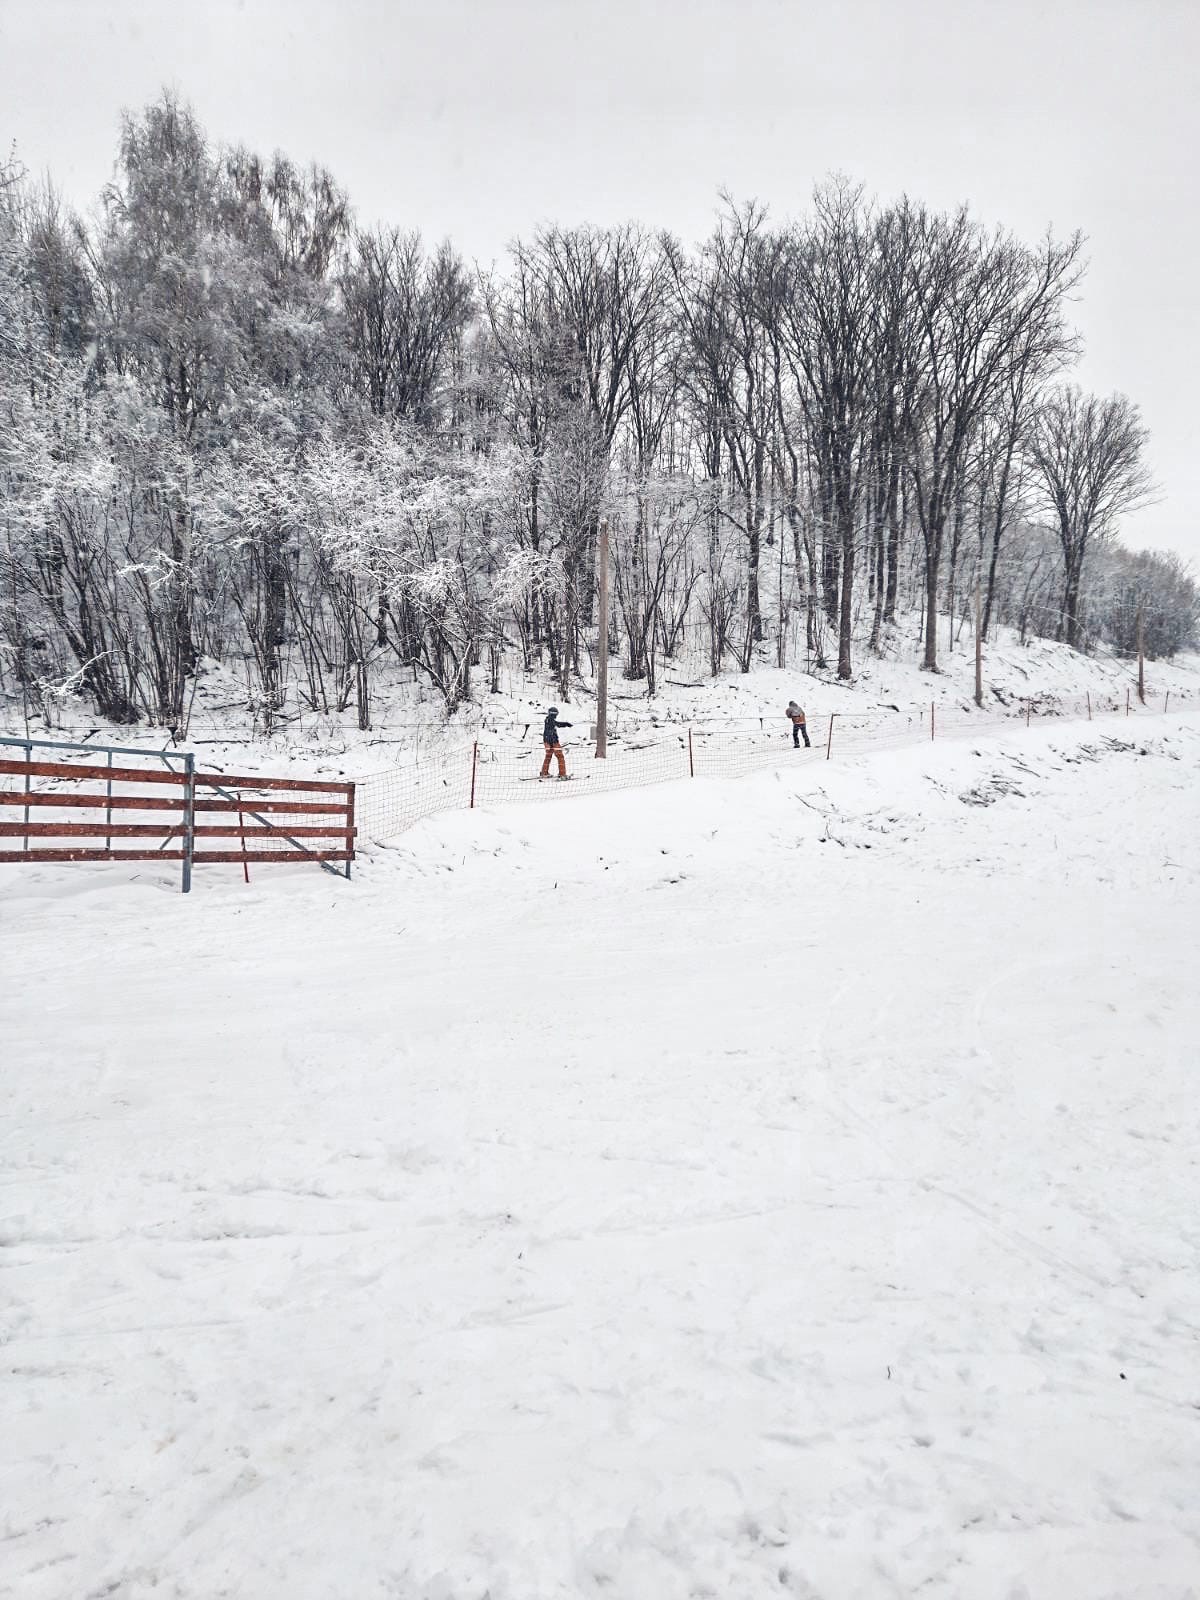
x=795, y=715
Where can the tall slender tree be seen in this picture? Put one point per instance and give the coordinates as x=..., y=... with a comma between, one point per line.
x=1089, y=457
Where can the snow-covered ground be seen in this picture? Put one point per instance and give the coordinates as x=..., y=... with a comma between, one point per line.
x=776, y=1186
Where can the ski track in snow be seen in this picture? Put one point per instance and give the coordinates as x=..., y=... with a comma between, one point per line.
x=781, y=1186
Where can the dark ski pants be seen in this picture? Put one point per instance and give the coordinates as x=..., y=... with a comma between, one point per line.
x=798, y=728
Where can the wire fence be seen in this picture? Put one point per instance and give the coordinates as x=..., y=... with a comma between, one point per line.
x=496, y=771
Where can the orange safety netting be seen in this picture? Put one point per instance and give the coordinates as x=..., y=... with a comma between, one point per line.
x=496, y=771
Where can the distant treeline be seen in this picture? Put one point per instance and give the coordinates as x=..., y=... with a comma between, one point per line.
x=235, y=426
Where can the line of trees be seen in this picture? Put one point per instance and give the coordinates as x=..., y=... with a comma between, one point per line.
x=236, y=427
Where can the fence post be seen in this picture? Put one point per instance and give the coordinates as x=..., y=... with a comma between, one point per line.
x=829, y=741
x=1127, y=702
x=108, y=806
x=691, y=757
x=28, y=786
x=242, y=830
x=1089, y=701
x=189, y=820
x=1028, y=704
x=349, y=828
x=1166, y=700
x=474, y=764
x=932, y=719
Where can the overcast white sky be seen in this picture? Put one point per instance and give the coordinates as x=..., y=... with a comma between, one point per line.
x=477, y=119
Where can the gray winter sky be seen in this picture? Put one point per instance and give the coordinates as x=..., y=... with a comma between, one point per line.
x=479, y=118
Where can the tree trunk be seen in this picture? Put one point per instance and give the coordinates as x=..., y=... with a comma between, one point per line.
x=845, y=607
x=893, y=550
x=754, y=627
x=997, y=535
x=993, y=563
x=274, y=615
x=955, y=546
x=186, y=655
x=831, y=576
x=634, y=602
x=878, y=569
x=1071, y=590
x=932, y=563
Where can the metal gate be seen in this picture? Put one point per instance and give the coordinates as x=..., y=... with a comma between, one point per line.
x=182, y=818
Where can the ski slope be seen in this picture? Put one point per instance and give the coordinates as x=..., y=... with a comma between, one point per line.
x=786, y=1186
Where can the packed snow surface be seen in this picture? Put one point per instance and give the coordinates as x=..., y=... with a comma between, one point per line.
x=781, y=1186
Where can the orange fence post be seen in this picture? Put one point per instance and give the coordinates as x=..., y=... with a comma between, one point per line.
x=474, y=764
x=829, y=741
x=691, y=757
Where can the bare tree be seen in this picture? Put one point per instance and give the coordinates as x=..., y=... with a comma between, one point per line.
x=1087, y=453
x=609, y=287
x=1149, y=597
x=980, y=304
x=829, y=286
x=719, y=301
x=404, y=310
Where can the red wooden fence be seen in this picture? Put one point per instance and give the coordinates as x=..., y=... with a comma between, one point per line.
x=187, y=817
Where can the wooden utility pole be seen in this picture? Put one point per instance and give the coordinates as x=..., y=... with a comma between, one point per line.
x=1141, y=618
x=780, y=644
x=978, y=649
x=602, y=664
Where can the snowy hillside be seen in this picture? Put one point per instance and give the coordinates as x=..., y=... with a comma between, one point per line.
x=783, y=1186
x=409, y=726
